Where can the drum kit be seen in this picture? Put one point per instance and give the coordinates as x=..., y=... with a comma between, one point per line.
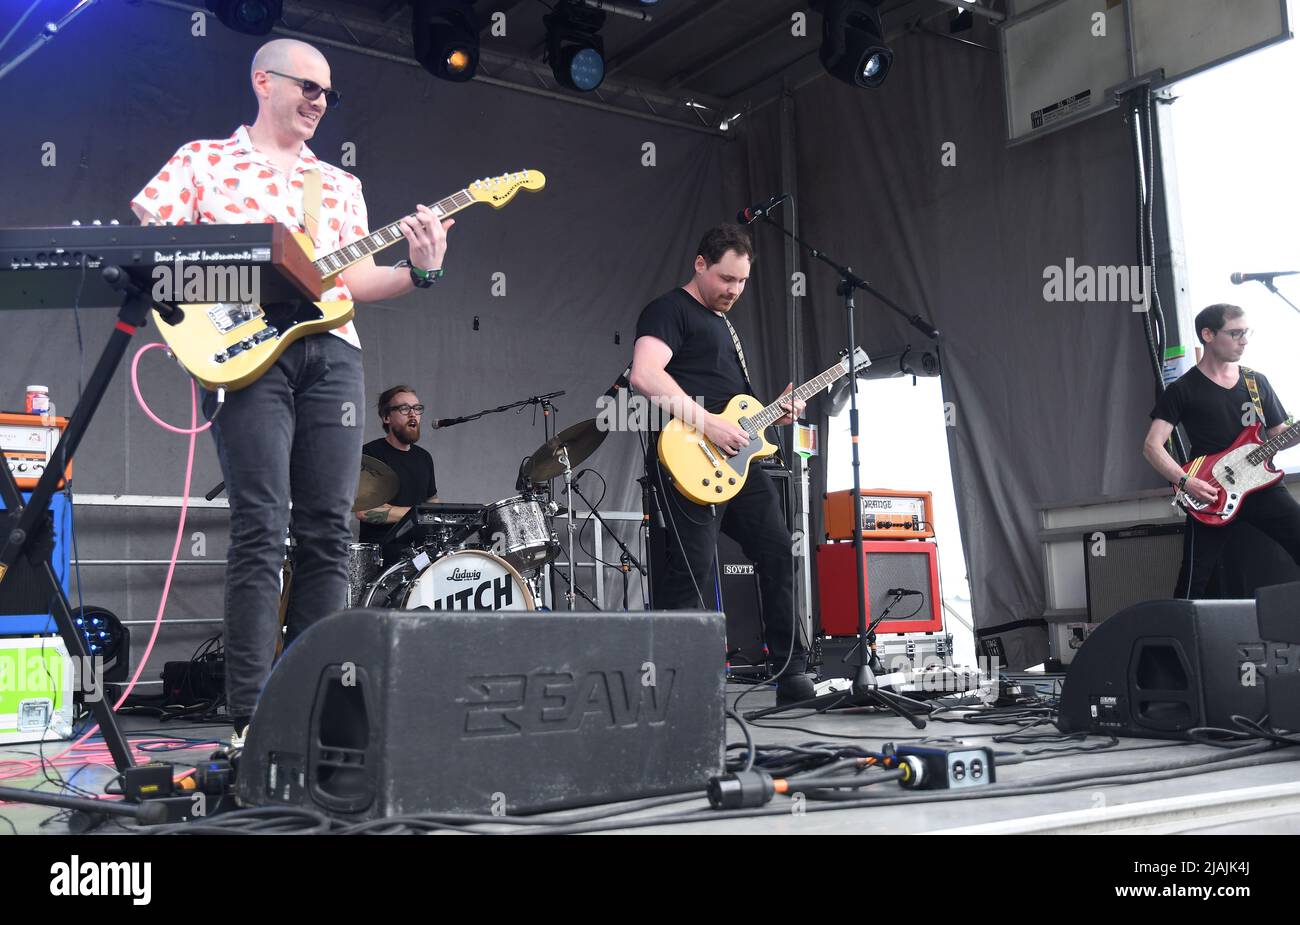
x=457, y=556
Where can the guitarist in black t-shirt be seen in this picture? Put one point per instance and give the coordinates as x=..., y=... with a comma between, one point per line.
x=1213, y=402
x=687, y=360
x=401, y=412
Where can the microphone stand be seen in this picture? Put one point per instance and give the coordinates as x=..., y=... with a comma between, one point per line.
x=1268, y=284
x=865, y=691
x=627, y=559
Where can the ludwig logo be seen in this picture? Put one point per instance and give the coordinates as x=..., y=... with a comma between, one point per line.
x=556, y=701
x=465, y=574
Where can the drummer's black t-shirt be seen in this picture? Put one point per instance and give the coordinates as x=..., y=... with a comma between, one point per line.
x=414, y=468
x=704, y=361
x=1212, y=415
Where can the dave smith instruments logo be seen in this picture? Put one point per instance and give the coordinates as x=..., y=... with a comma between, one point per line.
x=560, y=701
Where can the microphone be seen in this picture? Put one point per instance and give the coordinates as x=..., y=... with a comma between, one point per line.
x=901, y=592
x=754, y=213
x=624, y=381
x=1239, y=278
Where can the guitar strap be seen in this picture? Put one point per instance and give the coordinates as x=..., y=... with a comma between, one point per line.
x=740, y=353
x=311, y=186
x=1253, y=387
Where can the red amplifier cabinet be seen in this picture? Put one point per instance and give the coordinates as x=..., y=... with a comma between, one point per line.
x=911, y=564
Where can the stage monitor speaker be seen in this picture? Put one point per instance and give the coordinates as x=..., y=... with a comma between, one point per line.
x=380, y=713
x=1160, y=668
x=910, y=564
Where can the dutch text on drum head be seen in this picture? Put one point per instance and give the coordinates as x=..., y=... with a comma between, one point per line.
x=493, y=594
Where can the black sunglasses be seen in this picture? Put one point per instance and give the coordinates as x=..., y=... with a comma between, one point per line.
x=312, y=90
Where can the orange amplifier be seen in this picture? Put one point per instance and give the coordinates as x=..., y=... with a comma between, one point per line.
x=27, y=442
x=886, y=514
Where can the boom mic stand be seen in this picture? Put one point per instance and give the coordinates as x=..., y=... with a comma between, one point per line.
x=865, y=690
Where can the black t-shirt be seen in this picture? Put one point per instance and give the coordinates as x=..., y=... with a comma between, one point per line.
x=704, y=361
x=414, y=468
x=1212, y=415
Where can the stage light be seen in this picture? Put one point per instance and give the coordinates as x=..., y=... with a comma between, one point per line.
x=445, y=34
x=574, y=48
x=962, y=20
x=853, y=43
x=251, y=17
x=105, y=638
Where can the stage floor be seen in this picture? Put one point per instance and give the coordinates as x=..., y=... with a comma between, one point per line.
x=1259, y=799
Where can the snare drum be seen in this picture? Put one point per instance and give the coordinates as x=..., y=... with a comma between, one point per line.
x=518, y=530
x=365, y=562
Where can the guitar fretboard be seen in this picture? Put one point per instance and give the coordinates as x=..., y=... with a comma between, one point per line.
x=1274, y=445
x=757, y=423
x=344, y=257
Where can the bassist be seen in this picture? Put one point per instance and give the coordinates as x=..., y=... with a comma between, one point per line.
x=1214, y=401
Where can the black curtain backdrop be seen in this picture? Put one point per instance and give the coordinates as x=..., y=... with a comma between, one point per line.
x=126, y=85
x=1049, y=399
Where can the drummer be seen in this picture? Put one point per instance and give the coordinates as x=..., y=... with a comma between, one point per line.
x=400, y=412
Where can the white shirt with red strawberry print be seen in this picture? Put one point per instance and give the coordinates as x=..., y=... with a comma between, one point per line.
x=230, y=182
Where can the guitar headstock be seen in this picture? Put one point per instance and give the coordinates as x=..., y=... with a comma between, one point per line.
x=497, y=191
x=860, y=361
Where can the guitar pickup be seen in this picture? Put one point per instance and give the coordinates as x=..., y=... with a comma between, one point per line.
x=704, y=447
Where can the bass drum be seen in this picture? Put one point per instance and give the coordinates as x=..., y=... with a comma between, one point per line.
x=470, y=579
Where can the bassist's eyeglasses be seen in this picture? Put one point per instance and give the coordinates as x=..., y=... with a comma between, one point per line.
x=1239, y=333
x=312, y=90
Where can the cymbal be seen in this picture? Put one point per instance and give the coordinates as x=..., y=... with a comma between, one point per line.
x=581, y=440
x=376, y=485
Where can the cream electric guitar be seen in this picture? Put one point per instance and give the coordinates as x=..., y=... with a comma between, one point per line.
x=706, y=474
x=226, y=344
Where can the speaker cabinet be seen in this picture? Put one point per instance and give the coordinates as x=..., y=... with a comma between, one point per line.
x=907, y=564
x=24, y=595
x=735, y=591
x=377, y=713
x=1139, y=564
x=1160, y=668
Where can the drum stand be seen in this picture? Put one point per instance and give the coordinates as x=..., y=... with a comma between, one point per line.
x=568, y=500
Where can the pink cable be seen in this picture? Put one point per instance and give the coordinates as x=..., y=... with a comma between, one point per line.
x=144, y=406
x=98, y=753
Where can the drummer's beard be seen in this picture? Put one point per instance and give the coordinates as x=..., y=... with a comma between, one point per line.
x=407, y=432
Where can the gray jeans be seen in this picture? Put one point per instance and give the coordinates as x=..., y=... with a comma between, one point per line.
x=295, y=434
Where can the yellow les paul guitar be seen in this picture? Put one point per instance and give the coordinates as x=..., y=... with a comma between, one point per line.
x=706, y=474
x=226, y=344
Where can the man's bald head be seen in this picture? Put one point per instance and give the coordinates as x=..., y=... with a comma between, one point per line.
x=279, y=69
x=285, y=55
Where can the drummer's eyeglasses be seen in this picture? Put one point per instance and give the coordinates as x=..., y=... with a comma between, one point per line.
x=406, y=409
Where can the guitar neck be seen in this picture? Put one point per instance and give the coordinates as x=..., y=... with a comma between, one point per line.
x=338, y=261
x=1274, y=445
x=764, y=419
